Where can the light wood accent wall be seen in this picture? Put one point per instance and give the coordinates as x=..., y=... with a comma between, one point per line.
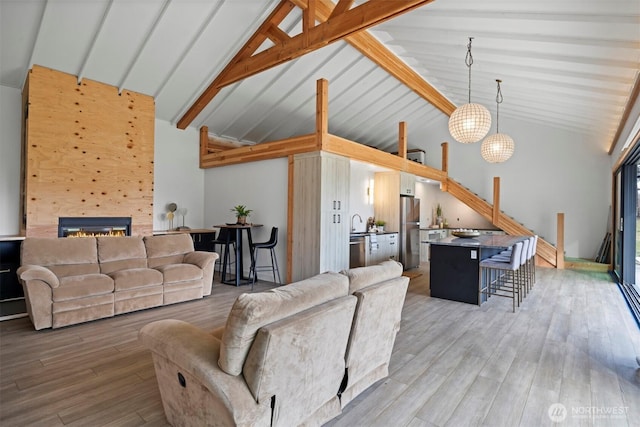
x=88, y=152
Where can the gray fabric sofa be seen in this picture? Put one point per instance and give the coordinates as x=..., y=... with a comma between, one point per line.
x=294, y=355
x=73, y=280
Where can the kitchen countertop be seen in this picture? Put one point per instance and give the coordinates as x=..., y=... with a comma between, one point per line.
x=482, y=241
x=365, y=233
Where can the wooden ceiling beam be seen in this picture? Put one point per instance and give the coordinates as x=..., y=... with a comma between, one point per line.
x=349, y=22
x=274, y=19
x=341, y=7
x=337, y=22
x=373, y=49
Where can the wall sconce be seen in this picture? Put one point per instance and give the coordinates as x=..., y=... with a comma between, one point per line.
x=370, y=192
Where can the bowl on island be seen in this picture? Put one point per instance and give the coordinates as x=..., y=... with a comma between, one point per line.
x=465, y=232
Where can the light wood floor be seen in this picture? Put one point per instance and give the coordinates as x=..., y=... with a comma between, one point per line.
x=572, y=342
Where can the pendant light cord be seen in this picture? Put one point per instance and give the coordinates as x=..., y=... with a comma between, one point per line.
x=499, y=100
x=469, y=61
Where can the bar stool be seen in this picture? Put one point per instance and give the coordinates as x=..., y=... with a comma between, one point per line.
x=521, y=273
x=225, y=239
x=270, y=244
x=506, y=282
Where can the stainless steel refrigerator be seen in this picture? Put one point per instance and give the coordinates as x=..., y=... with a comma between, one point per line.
x=409, y=232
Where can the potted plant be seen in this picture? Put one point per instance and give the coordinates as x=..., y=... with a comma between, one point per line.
x=380, y=225
x=242, y=213
x=439, y=215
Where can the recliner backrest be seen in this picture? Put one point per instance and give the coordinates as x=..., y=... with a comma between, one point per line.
x=250, y=312
x=64, y=256
x=381, y=290
x=167, y=249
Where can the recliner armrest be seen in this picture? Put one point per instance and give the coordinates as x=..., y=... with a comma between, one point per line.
x=196, y=352
x=200, y=258
x=37, y=272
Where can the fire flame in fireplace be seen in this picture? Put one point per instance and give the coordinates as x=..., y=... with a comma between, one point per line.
x=110, y=233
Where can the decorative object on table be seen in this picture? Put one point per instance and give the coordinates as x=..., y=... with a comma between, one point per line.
x=380, y=225
x=242, y=213
x=497, y=148
x=465, y=232
x=370, y=223
x=469, y=122
x=171, y=207
x=182, y=212
x=439, y=215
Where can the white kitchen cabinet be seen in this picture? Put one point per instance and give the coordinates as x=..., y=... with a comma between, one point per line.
x=429, y=235
x=407, y=184
x=320, y=214
x=386, y=248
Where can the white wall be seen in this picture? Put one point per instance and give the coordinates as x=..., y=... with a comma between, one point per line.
x=362, y=176
x=457, y=214
x=261, y=186
x=10, y=128
x=177, y=176
x=551, y=171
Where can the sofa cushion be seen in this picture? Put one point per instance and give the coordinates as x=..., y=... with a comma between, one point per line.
x=63, y=256
x=167, y=249
x=135, y=278
x=86, y=285
x=361, y=277
x=121, y=253
x=252, y=311
x=179, y=272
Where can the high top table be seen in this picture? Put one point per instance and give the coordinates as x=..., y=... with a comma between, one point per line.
x=238, y=278
x=455, y=264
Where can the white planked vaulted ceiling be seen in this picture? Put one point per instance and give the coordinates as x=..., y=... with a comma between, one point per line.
x=568, y=64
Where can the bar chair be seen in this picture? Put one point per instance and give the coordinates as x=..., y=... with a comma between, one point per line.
x=270, y=245
x=227, y=241
x=524, y=271
x=501, y=278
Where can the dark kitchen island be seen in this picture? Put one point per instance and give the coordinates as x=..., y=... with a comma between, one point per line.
x=455, y=264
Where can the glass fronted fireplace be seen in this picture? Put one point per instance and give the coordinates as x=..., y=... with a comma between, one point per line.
x=94, y=226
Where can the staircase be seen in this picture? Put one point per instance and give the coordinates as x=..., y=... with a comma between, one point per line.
x=546, y=252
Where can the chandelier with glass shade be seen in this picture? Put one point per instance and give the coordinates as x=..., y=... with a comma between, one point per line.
x=470, y=122
x=498, y=147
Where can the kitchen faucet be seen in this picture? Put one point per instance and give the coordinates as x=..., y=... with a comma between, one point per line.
x=352, y=218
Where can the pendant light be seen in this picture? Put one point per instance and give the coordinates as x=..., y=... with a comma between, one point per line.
x=498, y=147
x=470, y=122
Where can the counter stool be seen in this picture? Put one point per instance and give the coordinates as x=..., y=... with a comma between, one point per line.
x=501, y=278
x=225, y=238
x=270, y=244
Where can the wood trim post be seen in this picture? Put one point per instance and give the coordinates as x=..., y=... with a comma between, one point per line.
x=402, y=140
x=322, y=112
x=560, y=244
x=204, y=142
x=496, y=200
x=290, y=220
x=445, y=157
x=445, y=165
